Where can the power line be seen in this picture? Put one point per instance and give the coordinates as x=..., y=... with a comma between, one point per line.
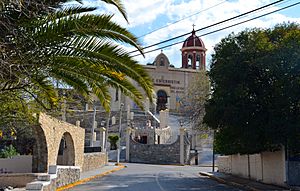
x=182, y=19
x=286, y=7
x=209, y=26
x=245, y=16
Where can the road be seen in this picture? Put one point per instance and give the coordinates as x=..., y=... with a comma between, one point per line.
x=143, y=177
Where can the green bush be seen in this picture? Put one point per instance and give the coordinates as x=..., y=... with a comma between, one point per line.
x=8, y=152
x=113, y=139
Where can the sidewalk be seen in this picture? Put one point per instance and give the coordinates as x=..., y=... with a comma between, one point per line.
x=111, y=167
x=242, y=183
x=89, y=175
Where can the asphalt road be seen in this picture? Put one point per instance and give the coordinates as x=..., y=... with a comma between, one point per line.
x=143, y=177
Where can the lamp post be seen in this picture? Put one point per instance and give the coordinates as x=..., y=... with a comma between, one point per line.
x=181, y=143
x=213, y=154
x=120, y=127
x=213, y=150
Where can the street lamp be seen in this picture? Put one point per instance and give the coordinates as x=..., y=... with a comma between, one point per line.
x=213, y=154
x=213, y=150
x=120, y=127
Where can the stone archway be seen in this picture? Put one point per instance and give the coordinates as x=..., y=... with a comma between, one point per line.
x=48, y=135
x=66, y=152
x=162, y=100
x=40, y=151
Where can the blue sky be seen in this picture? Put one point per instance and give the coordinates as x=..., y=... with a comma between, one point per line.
x=146, y=16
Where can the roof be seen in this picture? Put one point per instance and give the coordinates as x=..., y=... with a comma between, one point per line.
x=193, y=41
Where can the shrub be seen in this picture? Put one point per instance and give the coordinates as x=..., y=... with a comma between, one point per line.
x=113, y=139
x=8, y=152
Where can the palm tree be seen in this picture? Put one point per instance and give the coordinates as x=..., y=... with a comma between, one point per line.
x=41, y=43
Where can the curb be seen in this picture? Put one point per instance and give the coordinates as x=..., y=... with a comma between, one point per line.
x=90, y=178
x=227, y=182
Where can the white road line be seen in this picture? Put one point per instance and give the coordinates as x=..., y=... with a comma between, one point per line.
x=157, y=181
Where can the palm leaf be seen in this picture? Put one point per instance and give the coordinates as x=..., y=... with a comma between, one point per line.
x=119, y=6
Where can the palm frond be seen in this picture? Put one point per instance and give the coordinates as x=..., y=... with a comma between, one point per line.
x=119, y=6
x=100, y=89
x=100, y=26
x=45, y=89
x=111, y=57
x=92, y=73
x=73, y=81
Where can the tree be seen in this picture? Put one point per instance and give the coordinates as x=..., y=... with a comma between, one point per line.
x=193, y=102
x=43, y=42
x=255, y=77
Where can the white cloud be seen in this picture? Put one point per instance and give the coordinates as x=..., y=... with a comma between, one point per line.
x=145, y=13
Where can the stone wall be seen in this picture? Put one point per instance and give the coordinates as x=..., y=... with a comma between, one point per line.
x=268, y=167
x=156, y=154
x=94, y=160
x=58, y=176
x=49, y=135
x=66, y=175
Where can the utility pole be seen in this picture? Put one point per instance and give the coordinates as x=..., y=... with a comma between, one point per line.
x=120, y=129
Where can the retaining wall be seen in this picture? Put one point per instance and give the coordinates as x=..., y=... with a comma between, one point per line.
x=267, y=167
x=157, y=153
x=16, y=180
x=94, y=160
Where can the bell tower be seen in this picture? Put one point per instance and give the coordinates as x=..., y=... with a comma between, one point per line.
x=193, y=53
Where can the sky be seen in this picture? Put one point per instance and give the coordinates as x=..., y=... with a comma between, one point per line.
x=177, y=17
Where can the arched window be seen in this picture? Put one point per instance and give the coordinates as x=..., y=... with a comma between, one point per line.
x=190, y=61
x=162, y=99
x=162, y=61
x=198, y=61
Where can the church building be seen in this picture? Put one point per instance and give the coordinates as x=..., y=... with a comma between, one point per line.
x=170, y=83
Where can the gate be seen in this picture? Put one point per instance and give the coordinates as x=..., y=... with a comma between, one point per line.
x=293, y=174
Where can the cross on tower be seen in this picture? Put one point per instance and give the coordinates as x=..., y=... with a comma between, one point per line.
x=193, y=26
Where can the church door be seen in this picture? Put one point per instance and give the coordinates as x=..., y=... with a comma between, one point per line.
x=162, y=100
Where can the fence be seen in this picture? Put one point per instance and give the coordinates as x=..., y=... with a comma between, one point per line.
x=16, y=164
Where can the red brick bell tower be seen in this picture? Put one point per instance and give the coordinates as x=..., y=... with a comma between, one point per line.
x=193, y=53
